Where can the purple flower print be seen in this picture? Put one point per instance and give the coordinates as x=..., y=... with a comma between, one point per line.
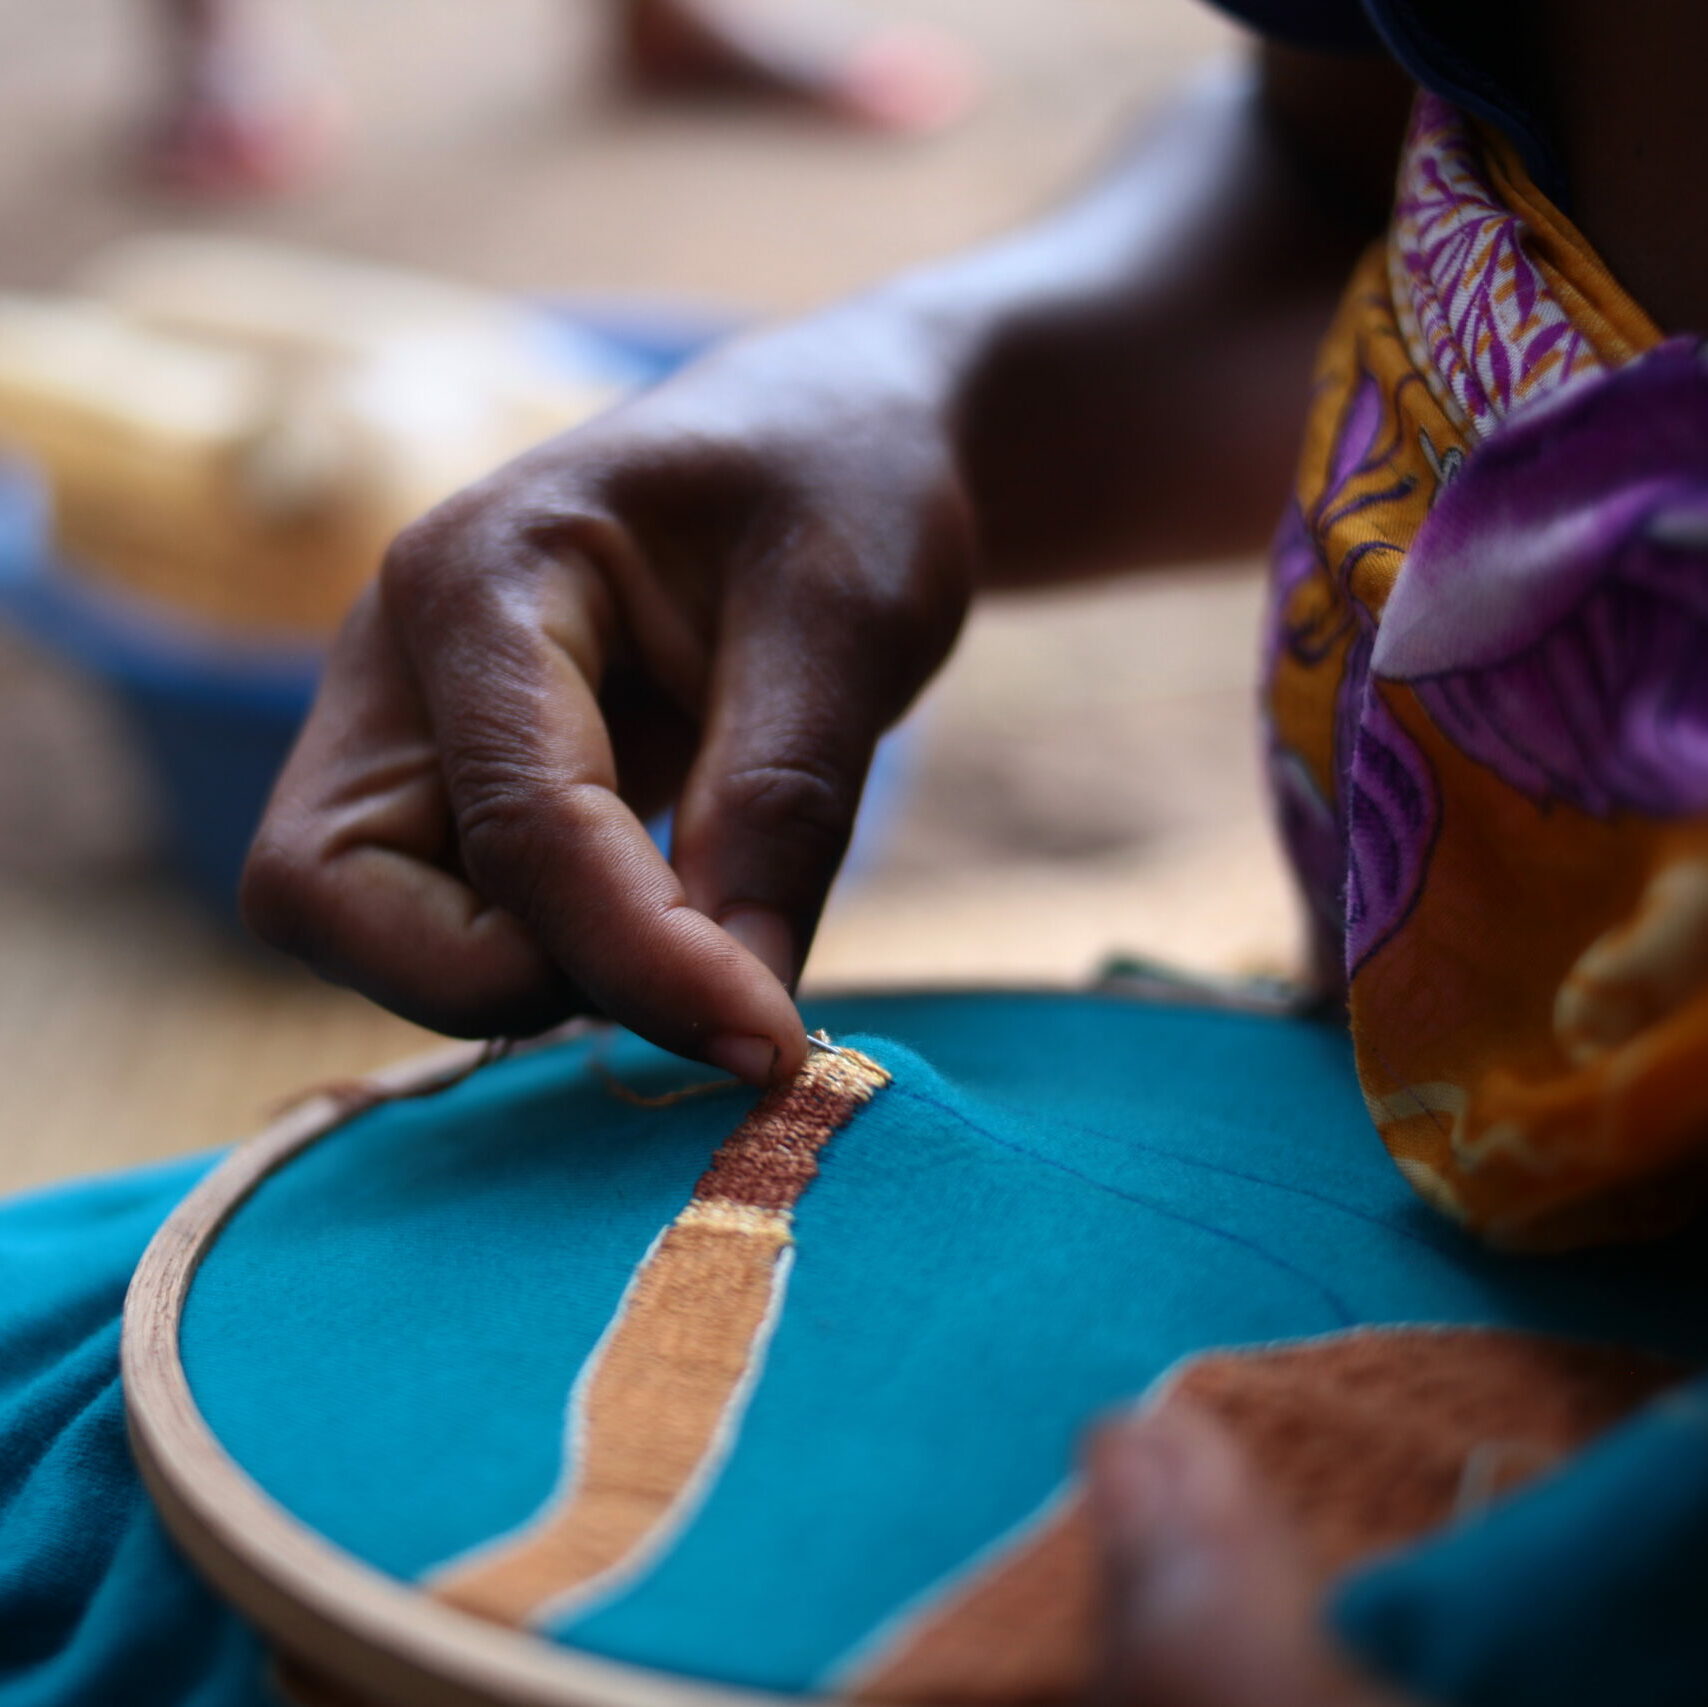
x=1552, y=615
x=1359, y=857
x=1315, y=851
x=1491, y=326
x=1391, y=812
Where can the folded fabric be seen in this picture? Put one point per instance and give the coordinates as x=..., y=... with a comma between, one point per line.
x=96, y=1607
x=1487, y=713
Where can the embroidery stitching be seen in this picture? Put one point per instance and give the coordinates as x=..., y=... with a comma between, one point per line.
x=656, y=1406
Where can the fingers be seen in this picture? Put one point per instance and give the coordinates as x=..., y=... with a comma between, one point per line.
x=509, y=660
x=813, y=667
x=1210, y=1600
x=354, y=868
x=450, y=836
x=771, y=802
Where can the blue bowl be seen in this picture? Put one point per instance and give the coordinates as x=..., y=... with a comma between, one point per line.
x=214, y=717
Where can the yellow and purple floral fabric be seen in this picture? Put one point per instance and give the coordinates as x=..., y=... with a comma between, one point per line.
x=1487, y=694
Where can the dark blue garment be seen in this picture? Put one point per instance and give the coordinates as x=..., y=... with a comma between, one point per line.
x=1478, y=54
x=1335, y=26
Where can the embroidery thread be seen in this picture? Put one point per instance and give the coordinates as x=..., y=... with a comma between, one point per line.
x=656, y=1406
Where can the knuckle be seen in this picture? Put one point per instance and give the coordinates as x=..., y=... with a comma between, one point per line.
x=505, y=821
x=495, y=818
x=449, y=552
x=794, y=800
x=834, y=598
x=522, y=832
x=275, y=896
x=477, y=562
x=896, y=587
x=417, y=573
x=863, y=598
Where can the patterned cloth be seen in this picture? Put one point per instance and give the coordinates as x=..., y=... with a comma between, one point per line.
x=1488, y=708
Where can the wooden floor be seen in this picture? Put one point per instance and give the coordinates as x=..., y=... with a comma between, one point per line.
x=1083, y=779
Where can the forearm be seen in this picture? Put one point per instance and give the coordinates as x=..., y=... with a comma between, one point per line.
x=722, y=591
x=1126, y=377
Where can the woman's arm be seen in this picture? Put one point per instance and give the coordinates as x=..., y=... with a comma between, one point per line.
x=1625, y=86
x=1130, y=373
x=719, y=594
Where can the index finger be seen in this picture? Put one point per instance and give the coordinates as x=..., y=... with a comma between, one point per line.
x=353, y=867
x=508, y=656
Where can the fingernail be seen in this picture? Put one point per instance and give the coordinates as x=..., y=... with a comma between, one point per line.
x=751, y=1059
x=766, y=936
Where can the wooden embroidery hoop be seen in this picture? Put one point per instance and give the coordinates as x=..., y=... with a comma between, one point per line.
x=364, y=1638
x=369, y=1640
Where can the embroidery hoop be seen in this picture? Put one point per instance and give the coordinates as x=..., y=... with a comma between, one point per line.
x=357, y=1629
x=368, y=1639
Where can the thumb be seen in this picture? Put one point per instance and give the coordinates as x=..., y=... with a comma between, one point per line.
x=1210, y=1602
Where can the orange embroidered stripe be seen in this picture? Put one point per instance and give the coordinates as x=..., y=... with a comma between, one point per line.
x=656, y=1405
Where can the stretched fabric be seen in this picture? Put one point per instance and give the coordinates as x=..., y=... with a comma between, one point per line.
x=1488, y=711
x=1055, y=1205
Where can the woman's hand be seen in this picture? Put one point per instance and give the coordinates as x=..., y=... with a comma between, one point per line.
x=717, y=596
x=1209, y=1601
x=721, y=593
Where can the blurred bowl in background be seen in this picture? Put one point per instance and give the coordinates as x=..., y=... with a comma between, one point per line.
x=213, y=707
x=212, y=716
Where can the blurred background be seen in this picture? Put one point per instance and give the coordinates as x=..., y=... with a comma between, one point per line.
x=214, y=407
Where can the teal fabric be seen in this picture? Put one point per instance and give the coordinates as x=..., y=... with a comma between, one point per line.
x=96, y=1610
x=1591, y=1588
x=1058, y=1198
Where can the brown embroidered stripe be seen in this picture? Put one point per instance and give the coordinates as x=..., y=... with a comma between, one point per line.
x=657, y=1404
x=1364, y=1440
x=1019, y=1632
x=772, y=1157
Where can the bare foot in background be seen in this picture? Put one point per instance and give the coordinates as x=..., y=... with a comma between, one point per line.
x=902, y=77
x=245, y=110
